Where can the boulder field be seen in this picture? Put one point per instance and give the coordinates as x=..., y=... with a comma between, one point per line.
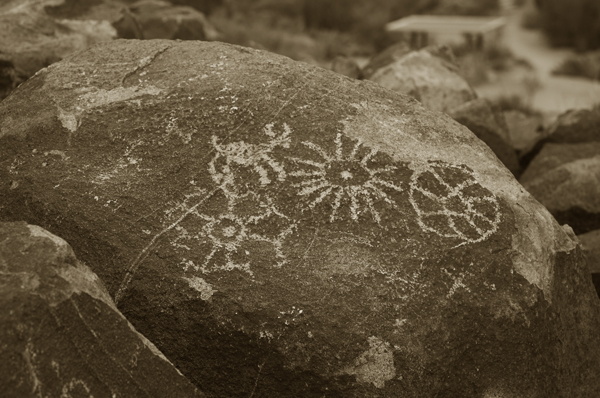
x=279, y=230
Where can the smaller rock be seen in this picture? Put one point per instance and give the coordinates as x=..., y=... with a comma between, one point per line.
x=524, y=131
x=386, y=57
x=489, y=125
x=566, y=179
x=429, y=75
x=576, y=125
x=162, y=20
x=61, y=335
x=590, y=242
x=346, y=66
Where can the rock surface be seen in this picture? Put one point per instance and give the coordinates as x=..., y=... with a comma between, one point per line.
x=488, y=125
x=60, y=332
x=280, y=230
x=429, y=75
x=566, y=179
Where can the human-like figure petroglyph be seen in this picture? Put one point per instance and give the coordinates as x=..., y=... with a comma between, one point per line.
x=257, y=157
x=450, y=202
x=342, y=177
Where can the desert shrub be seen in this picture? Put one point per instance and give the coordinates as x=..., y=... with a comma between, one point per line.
x=571, y=23
x=582, y=65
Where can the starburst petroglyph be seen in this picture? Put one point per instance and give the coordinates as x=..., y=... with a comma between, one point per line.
x=459, y=209
x=343, y=178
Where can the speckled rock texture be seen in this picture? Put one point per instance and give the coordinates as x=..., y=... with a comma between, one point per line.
x=429, y=75
x=566, y=179
x=60, y=332
x=489, y=125
x=280, y=230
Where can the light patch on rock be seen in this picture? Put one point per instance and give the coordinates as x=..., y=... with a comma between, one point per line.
x=102, y=97
x=206, y=290
x=63, y=247
x=68, y=120
x=376, y=365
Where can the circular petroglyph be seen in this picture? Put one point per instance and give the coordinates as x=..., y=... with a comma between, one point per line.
x=450, y=202
x=343, y=179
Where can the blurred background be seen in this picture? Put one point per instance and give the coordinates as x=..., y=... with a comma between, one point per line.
x=545, y=58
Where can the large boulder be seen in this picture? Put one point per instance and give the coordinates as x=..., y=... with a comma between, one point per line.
x=280, y=230
x=489, y=125
x=60, y=332
x=429, y=75
x=566, y=179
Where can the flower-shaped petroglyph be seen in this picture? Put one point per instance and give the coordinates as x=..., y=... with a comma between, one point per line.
x=230, y=236
x=450, y=202
x=230, y=233
x=343, y=178
x=231, y=158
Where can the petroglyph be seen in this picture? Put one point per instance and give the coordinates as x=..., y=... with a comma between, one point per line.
x=257, y=157
x=230, y=235
x=450, y=202
x=343, y=178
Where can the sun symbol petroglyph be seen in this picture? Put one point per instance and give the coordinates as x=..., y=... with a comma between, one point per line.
x=232, y=157
x=450, y=202
x=343, y=178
